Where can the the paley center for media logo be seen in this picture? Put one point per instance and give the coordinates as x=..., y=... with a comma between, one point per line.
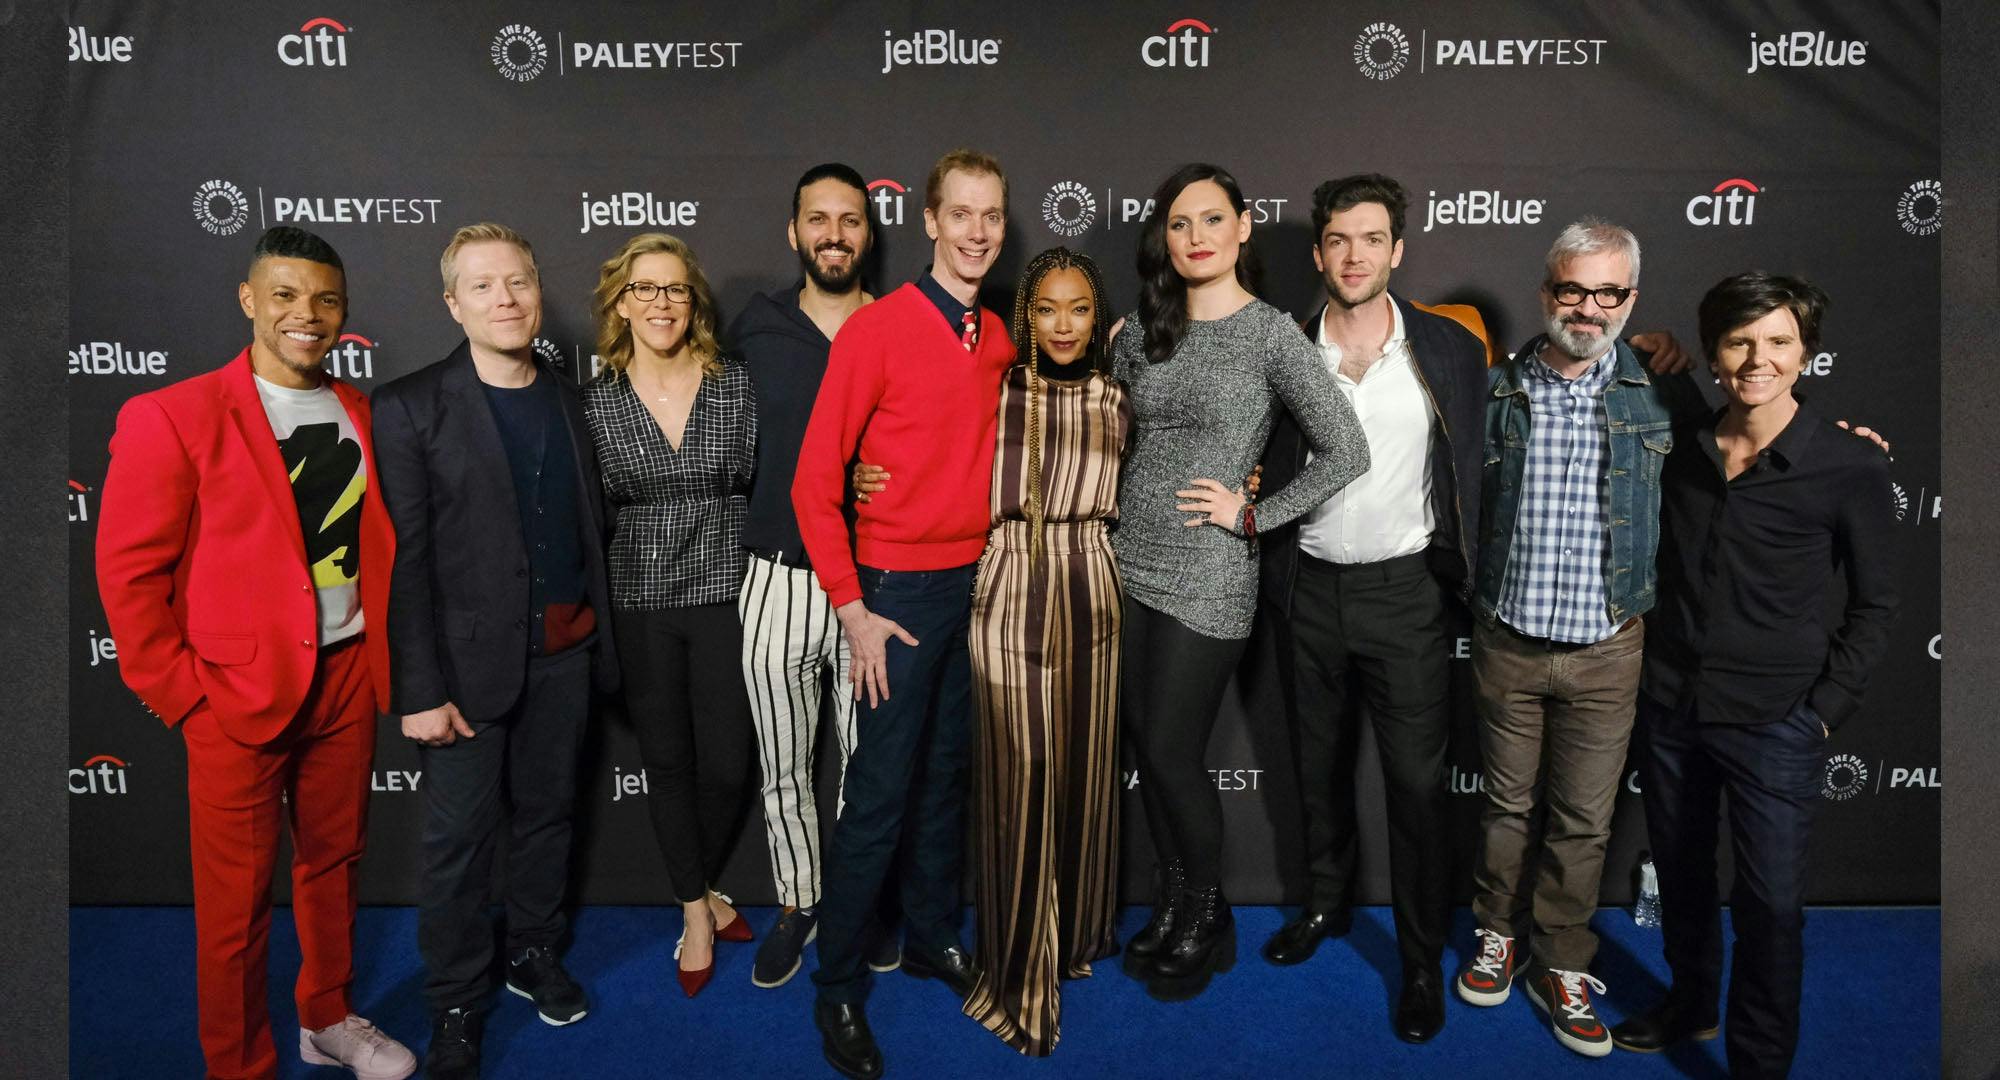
x=1069, y=209
x=519, y=53
x=1920, y=208
x=1382, y=51
x=222, y=208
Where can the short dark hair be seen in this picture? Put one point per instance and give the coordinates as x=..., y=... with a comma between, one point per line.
x=292, y=242
x=1349, y=192
x=976, y=162
x=832, y=170
x=1745, y=298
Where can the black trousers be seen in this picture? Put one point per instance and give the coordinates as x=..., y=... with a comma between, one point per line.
x=1771, y=775
x=905, y=785
x=1374, y=634
x=526, y=758
x=1171, y=687
x=683, y=676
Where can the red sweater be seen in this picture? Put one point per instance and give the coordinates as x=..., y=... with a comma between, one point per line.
x=901, y=388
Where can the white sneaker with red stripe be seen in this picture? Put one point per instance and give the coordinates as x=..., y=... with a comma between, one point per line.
x=1565, y=997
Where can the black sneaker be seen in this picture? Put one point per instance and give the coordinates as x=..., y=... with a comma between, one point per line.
x=1564, y=996
x=778, y=958
x=454, y=1049
x=884, y=950
x=536, y=974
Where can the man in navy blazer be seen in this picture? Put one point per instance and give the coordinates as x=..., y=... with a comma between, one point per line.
x=499, y=627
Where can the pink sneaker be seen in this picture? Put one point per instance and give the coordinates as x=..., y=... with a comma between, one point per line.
x=356, y=1044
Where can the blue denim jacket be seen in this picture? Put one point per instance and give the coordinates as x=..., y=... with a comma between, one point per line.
x=1641, y=410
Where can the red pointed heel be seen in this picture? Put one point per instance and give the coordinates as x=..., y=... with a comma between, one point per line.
x=692, y=981
x=736, y=929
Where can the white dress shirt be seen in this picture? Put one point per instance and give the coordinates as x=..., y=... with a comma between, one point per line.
x=1385, y=512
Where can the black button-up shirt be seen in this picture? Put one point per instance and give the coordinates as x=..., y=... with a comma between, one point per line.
x=1749, y=621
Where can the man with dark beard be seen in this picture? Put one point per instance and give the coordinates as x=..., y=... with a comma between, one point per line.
x=791, y=639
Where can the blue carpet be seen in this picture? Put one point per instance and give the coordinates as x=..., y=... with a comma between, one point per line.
x=1871, y=998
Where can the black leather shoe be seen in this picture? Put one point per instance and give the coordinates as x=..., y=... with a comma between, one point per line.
x=1420, y=1010
x=1169, y=879
x=1663, y=1025
x=1296, y=941
x=952, y=967
x=845, y=1039
x=1204, y=945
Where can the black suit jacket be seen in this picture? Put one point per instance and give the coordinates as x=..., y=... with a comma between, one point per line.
x=458, y=598
x=1452, y=363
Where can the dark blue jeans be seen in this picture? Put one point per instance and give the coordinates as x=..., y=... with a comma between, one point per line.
x=906, y=781
x=1771, y=774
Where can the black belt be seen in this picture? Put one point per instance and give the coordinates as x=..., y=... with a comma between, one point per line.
x=796, y=562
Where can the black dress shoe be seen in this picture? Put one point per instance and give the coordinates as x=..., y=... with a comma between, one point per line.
x=1420, y=1010
x=952, y=967
x=845, y=1039
x=1296, y=941
x=1671, y=1021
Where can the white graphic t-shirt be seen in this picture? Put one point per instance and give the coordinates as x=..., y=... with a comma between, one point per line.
x=323, y=457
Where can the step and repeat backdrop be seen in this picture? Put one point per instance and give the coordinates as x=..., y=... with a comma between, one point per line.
x=1791, y=137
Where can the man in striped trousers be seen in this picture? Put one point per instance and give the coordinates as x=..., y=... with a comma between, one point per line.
x=791, y=639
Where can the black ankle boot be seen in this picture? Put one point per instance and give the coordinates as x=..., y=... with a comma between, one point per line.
x=1204, y=943
x=1169, y=881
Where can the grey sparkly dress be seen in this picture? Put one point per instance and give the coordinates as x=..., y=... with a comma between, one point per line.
x=1207, y=412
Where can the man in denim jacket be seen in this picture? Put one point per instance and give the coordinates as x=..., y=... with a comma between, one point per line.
x=1576, y=433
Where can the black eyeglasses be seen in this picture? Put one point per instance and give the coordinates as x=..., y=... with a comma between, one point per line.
x=646, y=292
x=1570, y=294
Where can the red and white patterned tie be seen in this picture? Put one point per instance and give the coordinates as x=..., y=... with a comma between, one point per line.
x=969, y=335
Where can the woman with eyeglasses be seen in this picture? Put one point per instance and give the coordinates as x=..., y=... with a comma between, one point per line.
x=1207, y=366
x=675, y=426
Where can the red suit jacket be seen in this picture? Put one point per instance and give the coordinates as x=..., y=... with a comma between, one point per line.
x=201, y=562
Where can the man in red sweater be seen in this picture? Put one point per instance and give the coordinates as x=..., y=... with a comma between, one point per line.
x=913, y=383
x=243, y=558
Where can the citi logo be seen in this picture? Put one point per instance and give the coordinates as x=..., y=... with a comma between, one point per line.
x=112, y=358
x=1481, y=208
x=319, y=43
x=84, y=47
x=1185, y=44
x=1805, y=48
x=1733, y=202
x=221, y=208
x=352, y=357
x=102, y=649
x=79, y=509
x=931, y=47
x=519, y=53
x=887, y=195
x=636, y=209
x=101, y=775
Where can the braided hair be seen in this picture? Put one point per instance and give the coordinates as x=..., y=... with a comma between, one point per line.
x=1096, y=352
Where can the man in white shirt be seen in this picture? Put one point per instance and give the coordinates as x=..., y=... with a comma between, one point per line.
x=1358, y=594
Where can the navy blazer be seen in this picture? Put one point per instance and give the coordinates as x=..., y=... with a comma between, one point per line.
x=458, y=598
x=1451, y=363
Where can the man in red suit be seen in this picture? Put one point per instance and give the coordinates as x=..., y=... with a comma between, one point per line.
x=243, y=557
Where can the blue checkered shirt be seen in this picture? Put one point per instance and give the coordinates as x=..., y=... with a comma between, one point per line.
x=1554, y=586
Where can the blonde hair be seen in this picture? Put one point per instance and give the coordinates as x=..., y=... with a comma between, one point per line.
x=480, y=233
x=614, y=334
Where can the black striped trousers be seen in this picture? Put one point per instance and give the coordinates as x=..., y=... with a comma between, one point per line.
x=791, y=644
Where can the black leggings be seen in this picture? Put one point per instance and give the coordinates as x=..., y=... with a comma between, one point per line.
x=1168, y=696
x=683, y=674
